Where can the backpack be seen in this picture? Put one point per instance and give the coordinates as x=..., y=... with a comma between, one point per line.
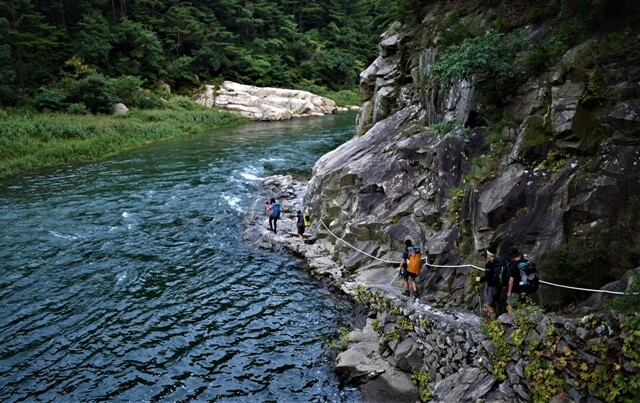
x=307, y=219
x=275, y=213
x=414, y=261
x=529, y=277
x=500, y=265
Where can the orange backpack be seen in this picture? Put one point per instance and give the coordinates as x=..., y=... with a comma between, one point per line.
x=414, y=261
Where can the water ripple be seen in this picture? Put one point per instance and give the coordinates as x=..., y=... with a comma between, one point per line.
x=127, y=280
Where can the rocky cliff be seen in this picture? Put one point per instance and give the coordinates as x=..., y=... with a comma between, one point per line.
x=539, y=150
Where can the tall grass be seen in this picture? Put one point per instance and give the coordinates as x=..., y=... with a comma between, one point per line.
x=30, y=140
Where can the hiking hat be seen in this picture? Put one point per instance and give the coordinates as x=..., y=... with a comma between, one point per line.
x=512, y=252
x=491, y=251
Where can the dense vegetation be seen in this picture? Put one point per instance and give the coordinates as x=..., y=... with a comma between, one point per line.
x=68, y=59
x=55, y=51
x=29, y=140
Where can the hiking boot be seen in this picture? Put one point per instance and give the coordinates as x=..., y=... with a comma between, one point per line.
x=405, y=292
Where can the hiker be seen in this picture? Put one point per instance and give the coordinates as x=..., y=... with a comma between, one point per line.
x=495, y=276
x=300, y=224
x=410, y=267
x=524, y=279
x=274, y=215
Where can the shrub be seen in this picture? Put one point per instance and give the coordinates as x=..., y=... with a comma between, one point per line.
x=77, y=109
x=49, y=98
x=126, y=88
x=629, y=302
x=182, y=103
x=486, y=55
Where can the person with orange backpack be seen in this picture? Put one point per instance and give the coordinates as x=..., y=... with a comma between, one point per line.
x=410, y=267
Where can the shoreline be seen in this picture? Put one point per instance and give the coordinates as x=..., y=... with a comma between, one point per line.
x=359, y=364
x=408, y=350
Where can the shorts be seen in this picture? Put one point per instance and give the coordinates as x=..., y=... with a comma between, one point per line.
x=406, y=274
x=492, y=295
x=300, y=230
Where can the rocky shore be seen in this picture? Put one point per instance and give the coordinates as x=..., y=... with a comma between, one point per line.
x=409, y=350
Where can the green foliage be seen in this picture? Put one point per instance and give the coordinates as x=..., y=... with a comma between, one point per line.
x=442, y=128
x=537, y=131
x=126, y=88
x=30, y=141
x=375, y=325
x=51, y=99
x=555, y=160
x=571, y=263
x=341, y=339
x=421, y=379
x=630, y=302
x=405, y=323
x=184, y=44
x=95, y=92
x=501, y=358
x=596, y=92
x=77, y=109
x=487, y=56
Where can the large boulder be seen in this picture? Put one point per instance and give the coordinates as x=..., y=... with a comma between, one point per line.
x=264, y=103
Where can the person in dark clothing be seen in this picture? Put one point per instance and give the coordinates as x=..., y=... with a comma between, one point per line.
x=410, y=270
x=274, y=216
x=513, y=275
x=300, y=225
x=493, y=290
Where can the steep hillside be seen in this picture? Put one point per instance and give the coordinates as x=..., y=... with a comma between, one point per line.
x=501, y=125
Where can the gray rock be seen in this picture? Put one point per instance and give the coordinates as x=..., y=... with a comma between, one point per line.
x=262, y=103
x=119, y=109
x=468, y=384
x=408, y=355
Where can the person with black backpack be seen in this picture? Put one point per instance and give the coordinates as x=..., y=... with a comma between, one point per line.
x=523, y=277
x=495, y=275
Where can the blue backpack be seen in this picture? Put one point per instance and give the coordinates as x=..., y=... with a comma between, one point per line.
x=275, y=213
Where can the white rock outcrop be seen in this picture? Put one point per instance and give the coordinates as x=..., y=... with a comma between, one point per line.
x=265, y=103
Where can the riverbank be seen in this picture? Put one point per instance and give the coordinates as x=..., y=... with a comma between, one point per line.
x=30, y=140
x=409, y=350
x=360, y=364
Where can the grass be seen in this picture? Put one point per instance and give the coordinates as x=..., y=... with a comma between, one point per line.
x=31, y=140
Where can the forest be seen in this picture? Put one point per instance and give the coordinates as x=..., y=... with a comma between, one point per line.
x=57, y=54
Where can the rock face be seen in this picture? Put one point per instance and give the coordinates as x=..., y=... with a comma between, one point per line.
x=408, y=350
x=263, y=103
x=561, y=177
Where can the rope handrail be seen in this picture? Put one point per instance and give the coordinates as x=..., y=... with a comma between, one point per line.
x=470, y=265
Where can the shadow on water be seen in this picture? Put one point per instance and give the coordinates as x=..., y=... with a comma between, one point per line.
x=128, y=279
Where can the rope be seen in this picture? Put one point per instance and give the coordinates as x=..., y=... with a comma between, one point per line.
x=475, y=267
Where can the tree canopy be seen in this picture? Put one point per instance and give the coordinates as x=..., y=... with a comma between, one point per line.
x=282, y=43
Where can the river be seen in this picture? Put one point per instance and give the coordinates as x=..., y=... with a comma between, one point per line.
x=128, y=279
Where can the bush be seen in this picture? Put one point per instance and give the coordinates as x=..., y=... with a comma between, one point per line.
x=126, y=88
x=630, y=302
x=486, y=55
x=49, y=98
x=182, y=103
x=77, y=109
x=96, y=92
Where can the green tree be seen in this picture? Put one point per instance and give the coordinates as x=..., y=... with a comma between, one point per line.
x=33, y=41
x=7, y=73
x=95, y=92
x=93, y=39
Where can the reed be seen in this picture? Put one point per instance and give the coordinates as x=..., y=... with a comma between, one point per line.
x=31, y=140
